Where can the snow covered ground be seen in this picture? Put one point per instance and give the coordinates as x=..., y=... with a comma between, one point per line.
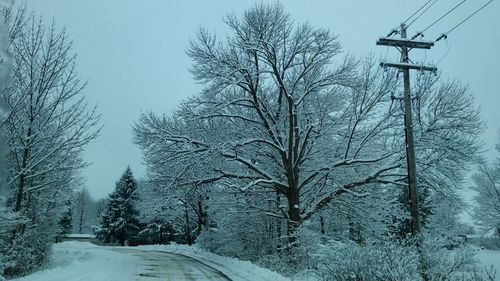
x=490, y=258
x=83, y=261
x=79, y=261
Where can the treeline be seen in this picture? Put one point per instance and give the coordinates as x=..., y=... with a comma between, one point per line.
x=134, y=214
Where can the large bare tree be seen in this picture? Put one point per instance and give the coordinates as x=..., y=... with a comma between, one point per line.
x=278, y=112
x=282, y=111
x=50, y=122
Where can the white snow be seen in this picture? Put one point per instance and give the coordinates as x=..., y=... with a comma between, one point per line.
x=490, y=258
x=83, y=261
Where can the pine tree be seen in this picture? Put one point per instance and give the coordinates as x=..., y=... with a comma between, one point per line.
x=120, y=221
x=66, y=221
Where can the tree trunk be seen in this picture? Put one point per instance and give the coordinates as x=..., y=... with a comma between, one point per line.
x=322, y=225
x=24, y=163
x=294, y=219
x=188, y=228
x=20, y=191
x=80, y=225
x=322, y=229
x=22, y=179
x=160, y=236
x=200, y=218
x=279, y=221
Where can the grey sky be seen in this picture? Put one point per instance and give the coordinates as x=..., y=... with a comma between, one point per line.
x=133, y=55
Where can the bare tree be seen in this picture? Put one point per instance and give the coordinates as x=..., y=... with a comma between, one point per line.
x=280, y=112
x=84, y=212
x=277, y=114
x=48, y=125
x=447, y=129
x=487, y=186
x=50, y=122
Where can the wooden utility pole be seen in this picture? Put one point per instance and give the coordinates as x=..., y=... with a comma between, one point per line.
x=404, y=45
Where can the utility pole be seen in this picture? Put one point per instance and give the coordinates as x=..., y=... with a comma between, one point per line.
x=404, y=45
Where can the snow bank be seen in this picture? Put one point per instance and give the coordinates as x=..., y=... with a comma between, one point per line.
x=235, y=269
x=490, y=258
x=83, y=261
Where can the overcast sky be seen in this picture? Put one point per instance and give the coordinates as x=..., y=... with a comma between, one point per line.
x=132, y=53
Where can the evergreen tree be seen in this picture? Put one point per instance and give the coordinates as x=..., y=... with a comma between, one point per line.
x=66, y=221
x=120, y=221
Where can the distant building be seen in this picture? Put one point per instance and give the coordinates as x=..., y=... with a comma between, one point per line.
x=78, y=237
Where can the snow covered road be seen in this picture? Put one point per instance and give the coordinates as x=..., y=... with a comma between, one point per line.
x=158, y=265
x=83, y=261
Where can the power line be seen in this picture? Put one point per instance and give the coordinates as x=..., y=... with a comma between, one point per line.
x=426, y=9
x=425, y=4
x=421, y=33
x=395, y=30
x=445, y=35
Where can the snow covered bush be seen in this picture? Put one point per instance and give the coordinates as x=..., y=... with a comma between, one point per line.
x=29, y=250
x=375, y=260
x=442, y=258
x=239, y=235
x=392, y=259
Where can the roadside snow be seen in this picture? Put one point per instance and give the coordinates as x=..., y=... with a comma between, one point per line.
x=83, y=261
x=235, y=269
x=490, y=258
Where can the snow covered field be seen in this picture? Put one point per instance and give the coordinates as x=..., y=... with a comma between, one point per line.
x=83, y=261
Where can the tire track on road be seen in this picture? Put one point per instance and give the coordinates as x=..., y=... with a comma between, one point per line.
x=160, y=265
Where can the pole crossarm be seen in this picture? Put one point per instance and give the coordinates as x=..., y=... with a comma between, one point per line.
x=432, y=69
x=411, y=44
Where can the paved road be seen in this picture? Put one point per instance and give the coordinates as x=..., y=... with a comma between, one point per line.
x=159, y=265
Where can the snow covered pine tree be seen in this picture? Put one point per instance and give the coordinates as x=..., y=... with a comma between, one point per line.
x=120, y=220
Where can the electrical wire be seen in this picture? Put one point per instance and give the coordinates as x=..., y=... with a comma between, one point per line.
x=395, y=30
x=439, y=19
x=425, y=4
x=448, y=47
x=445, y=35
x=426, y=9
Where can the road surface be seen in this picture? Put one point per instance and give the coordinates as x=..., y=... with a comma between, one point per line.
x=159, y=265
